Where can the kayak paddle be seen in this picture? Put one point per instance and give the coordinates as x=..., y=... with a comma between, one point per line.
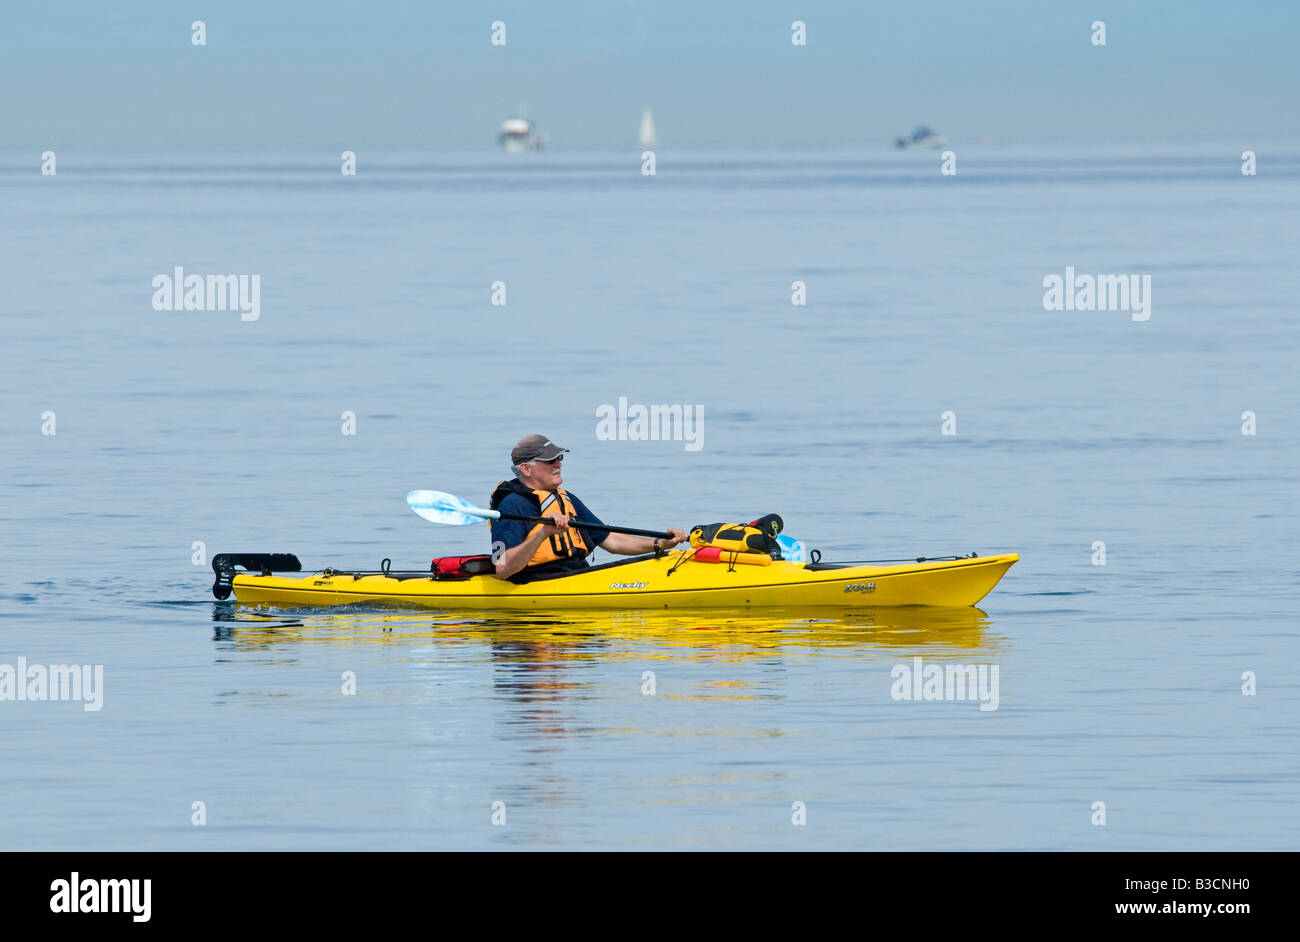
x=437, y=507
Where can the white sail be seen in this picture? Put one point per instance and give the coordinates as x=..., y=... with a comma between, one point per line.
x=648, y=137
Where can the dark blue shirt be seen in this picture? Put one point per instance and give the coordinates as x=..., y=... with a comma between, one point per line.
x=514, y=532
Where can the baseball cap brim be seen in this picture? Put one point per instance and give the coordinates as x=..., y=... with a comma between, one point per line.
x=548, y=452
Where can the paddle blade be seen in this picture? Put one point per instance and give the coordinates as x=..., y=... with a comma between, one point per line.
x=437, y=507
x=792, y=549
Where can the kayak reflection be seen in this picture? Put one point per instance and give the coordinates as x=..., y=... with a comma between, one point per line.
x=545, y=667
x=572, y=634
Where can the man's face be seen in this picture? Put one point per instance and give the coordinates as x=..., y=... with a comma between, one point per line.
x=545, y=475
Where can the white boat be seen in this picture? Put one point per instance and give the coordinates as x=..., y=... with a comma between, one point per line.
x=648, y=137
x=519, y=135
x=921, y=137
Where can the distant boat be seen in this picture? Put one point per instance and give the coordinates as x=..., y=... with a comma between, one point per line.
x=519, y=135
x=921, y=137
x=648, y=136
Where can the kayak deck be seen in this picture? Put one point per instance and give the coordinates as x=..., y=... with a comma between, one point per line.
x=647, y=583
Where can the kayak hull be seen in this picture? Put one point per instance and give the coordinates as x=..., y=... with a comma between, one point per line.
x=646, y=583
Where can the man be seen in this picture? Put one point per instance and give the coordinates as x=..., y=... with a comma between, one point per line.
x=563, y=543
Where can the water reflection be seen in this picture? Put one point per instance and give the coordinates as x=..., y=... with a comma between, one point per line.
x=544, y=664
x=541, y=638
x=523, y=687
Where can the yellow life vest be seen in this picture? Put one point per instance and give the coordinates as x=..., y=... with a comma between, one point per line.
x=562, y=544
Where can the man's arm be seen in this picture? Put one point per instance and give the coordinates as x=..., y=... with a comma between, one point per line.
x=625, y=544
x=516, y=558
x=511, y=546
x=622, y=544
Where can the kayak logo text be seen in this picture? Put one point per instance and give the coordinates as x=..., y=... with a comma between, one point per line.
x=76, y=895
x=82, y=682
x=920, y=681
x=181, y=292
x=1100, y=293
x=639, y=423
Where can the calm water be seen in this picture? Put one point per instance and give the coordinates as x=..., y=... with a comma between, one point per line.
x=1119, y=683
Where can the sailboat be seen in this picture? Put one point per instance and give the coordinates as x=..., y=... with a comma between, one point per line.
x=648, y=137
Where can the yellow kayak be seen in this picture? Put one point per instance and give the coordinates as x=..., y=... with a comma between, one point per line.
x=644, y=582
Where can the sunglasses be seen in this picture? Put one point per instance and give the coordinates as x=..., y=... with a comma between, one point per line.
x=554, y=461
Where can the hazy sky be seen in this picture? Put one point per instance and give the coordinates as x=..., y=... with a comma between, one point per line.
x=419, y=76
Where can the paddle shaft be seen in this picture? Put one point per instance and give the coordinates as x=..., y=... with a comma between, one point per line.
x=591, y=526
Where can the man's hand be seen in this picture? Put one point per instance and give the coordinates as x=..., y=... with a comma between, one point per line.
x=679, y=536
x=560, y=522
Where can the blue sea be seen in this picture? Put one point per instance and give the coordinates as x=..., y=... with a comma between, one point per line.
x=920, y=401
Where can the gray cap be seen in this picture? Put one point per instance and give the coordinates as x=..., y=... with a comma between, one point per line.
x=535, y=448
